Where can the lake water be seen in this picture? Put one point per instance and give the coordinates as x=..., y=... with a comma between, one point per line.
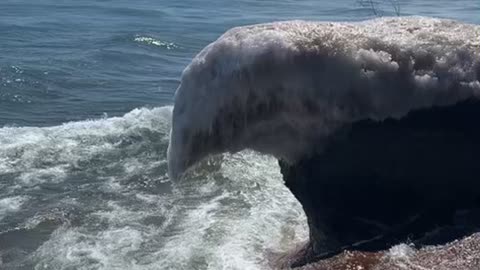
x=85, y=89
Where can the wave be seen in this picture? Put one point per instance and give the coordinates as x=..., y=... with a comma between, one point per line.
x=95, y=194
x=34, y=155
x=191, y=228
x=283, y=88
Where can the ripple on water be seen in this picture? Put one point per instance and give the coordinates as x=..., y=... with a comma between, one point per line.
x=155, y=42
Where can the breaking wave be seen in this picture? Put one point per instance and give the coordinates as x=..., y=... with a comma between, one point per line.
x=33, y=155
x=95, y=195
x=283, y=88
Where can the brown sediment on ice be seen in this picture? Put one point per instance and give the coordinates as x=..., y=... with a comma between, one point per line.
x=458, y=255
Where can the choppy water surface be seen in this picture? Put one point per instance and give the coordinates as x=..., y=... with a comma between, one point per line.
x=84, y=93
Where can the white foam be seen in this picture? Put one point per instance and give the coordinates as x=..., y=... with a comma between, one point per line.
x=11, y=205
x=281, y=88
x=275, y=222
x=401, y=252
x=402, y=257
x=241, y=217
x=218, y=219
x=111, y=238
x=47, y=155
x=79, y=250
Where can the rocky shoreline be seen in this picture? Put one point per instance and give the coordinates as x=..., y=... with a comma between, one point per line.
x=461, y=254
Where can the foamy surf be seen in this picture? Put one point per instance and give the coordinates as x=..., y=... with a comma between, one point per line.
x=213, y=221
x=10, y=205
x=95, y=195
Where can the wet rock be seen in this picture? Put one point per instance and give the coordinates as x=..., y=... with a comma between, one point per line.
x=378, y=184
x=461, y=254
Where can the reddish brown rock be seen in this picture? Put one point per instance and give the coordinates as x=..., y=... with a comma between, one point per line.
x=458, y=255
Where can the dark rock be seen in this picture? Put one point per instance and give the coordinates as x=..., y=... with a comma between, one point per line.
x=377, y=184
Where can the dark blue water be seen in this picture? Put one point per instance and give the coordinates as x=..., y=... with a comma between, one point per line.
x=93, y=193
x=70, y=60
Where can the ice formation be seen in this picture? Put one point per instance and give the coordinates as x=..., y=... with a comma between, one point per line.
x=283, y=88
